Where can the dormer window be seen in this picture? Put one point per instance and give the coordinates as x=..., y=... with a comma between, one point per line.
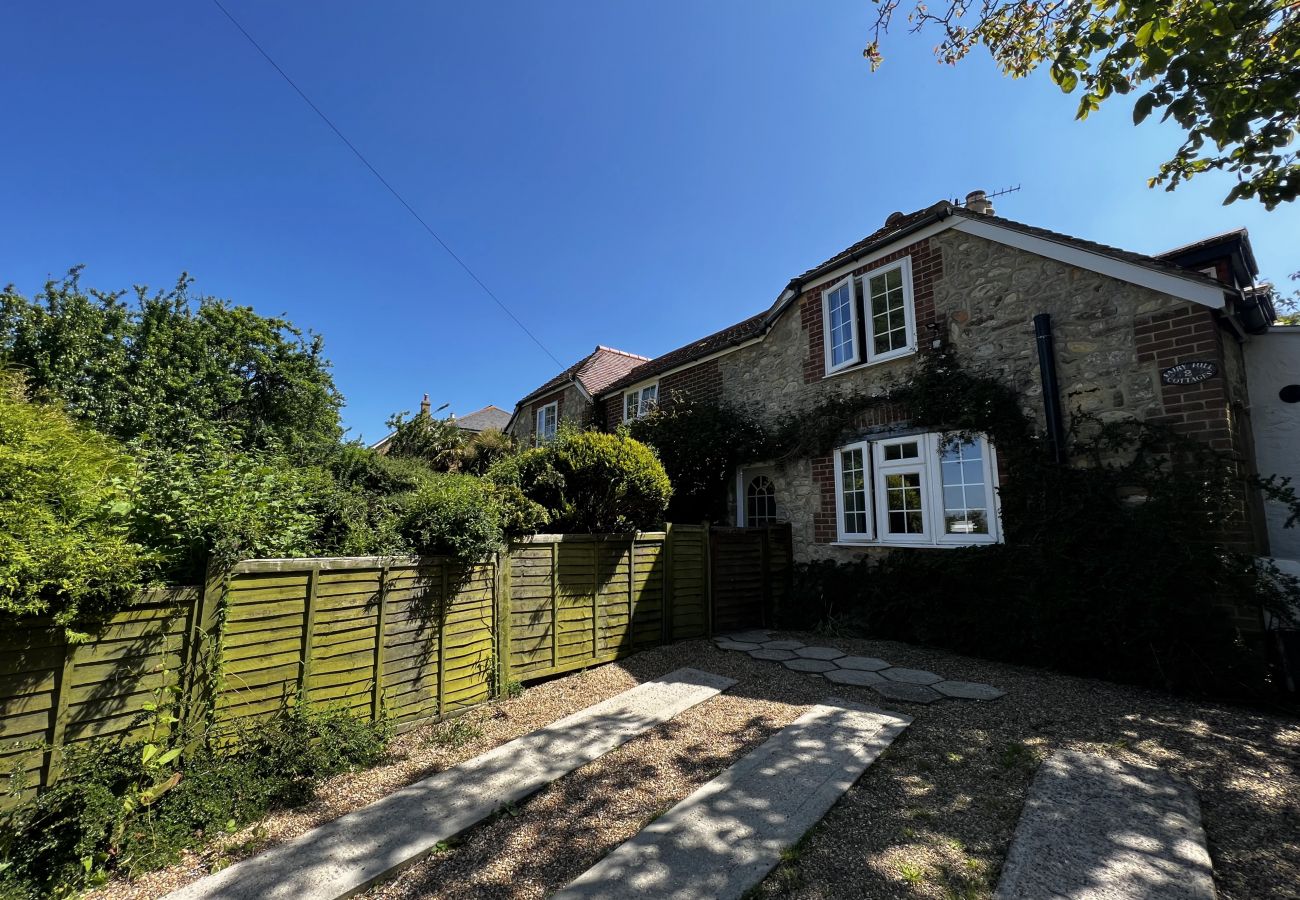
x=869, y=318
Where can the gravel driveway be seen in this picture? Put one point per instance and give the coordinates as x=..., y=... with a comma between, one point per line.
x=932, y=818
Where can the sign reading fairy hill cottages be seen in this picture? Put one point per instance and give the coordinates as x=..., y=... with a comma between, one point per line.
x=1189, y=372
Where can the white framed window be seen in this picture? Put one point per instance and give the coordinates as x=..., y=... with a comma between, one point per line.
x=760, y=501
x=638, y=401
x=840, y=326
x=869, y=318
x=853, y=492
x=548, y=420
x=917, y=490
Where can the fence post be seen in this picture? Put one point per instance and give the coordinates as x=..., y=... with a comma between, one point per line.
x=629, y=637
x=707, y=555
x=595, y=596
x=765, y=567
x=555, y=604
x=666, y=567
x=308, y=627
x=444, y=602
x=201, y=660
x=53, y=762
x=381, y=630
x=502, y=612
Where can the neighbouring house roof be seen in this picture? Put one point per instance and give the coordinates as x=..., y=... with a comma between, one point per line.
x=897, y=228
x=489, y=417
x=594, y=373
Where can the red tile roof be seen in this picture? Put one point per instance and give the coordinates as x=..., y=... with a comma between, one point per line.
x=595, y=372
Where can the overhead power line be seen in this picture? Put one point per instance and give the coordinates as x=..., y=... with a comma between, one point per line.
x=384, y=181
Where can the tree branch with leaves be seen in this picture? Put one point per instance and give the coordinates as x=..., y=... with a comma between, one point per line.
x=1227, y=72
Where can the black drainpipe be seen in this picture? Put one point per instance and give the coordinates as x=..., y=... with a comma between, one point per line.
x=1051, y=387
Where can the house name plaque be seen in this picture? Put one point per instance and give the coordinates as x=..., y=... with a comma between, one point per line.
x=1189, y=372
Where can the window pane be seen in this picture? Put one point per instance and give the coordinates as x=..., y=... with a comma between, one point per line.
x=909, y=450
x=630, y=406
x=760, y=501
x=965, y=494
x=649, y=397
x=903, y=503
x=840, y=313
x=888, y=314
x=853, y=491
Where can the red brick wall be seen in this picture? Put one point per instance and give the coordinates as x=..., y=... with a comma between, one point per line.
x=825, y=526
x=700, y=381
x=927, y=268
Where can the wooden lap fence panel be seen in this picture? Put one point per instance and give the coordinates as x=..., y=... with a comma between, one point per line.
x=750, y=570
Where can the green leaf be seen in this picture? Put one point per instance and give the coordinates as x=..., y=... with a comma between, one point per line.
x=1143, y=108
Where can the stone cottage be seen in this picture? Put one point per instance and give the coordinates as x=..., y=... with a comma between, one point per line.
x=569, y=396
x=1157, y=338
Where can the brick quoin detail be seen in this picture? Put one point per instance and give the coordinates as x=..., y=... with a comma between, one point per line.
x=927, y=268
x=825, y=530
x=1197, y=410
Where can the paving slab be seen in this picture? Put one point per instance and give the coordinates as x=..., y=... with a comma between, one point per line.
x=901, y=690
x=724, y=838
x=810, y=665
x=772, y=655
x=864, y=663
x=852, y=676
x=911, y=676
x=344, y=856
x=743, y=646
x=819, y=653
x=968, y=690
x=783, y=645
x=749, y=637
x=1094, y=828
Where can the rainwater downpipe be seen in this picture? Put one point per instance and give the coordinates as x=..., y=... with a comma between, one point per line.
x=1051, y=385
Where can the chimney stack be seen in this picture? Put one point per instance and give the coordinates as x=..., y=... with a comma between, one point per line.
x=424, y=405
x=979, y=203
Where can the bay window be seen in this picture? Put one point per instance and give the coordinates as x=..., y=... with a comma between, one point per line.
x=921, y=489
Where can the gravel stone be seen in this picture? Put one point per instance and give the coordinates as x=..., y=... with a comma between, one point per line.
x=852, y=676
x=772, y=655
x=864, y=663
x=911, y=676
x=903, y=690
x=819, y=653
x=968, y=690
x=783, y=645
x=810, y=665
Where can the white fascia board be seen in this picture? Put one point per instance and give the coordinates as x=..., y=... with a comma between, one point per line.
x=582, y=389
x=880, y=252
x=1165, y=283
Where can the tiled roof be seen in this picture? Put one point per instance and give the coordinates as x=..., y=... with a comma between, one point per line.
x=719, y=340
x=484, y=419
x=901, y=223
x=596, y=371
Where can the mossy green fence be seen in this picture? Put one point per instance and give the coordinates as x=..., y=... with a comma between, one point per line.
x=413, y=639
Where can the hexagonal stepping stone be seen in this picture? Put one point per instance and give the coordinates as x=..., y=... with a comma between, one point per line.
x=736, y=645
x=862, y=663
x=809, y=665
x=968, y=690
x=855, y=677
x=901, y=690
x=747, y=637
x=819, y=653
x=782, y=645
x=774, y=655
x=911, y=676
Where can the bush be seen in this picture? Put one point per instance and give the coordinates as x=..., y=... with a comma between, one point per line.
x=93, y=822
x=65, y=505
x=700, y=444
x=587, y=481
x=437, y=442
x=456, y=515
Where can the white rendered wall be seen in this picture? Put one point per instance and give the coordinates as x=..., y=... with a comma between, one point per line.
x=1272, y=363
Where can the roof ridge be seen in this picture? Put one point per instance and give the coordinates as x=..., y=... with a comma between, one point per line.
x=600, y=347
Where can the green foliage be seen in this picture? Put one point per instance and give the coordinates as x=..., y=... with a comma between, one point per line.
x=484, y=450
x=167, y=364
x=438, y=442
x=700, y=444
x=131, y=806
x=209, y=500
x=588, y=481
x=65, y=510
x=1227, y=72
x=457, y=515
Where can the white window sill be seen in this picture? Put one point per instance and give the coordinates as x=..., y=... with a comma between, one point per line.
x=858, y=367
x=863, y=545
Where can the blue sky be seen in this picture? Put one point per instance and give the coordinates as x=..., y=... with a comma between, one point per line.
x=635, y=175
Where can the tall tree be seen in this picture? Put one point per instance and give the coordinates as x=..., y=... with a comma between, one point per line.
x=1226, y=71
x=166, y=365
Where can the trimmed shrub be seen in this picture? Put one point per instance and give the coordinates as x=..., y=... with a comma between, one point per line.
x=456, y=515
x=588, y=481
x=65, y=504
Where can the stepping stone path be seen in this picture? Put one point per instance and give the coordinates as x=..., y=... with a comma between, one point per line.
x=889, y=681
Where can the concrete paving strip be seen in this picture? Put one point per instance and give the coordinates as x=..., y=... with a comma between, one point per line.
x=723, y=839
x=1094, y=828
x=352, y=852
